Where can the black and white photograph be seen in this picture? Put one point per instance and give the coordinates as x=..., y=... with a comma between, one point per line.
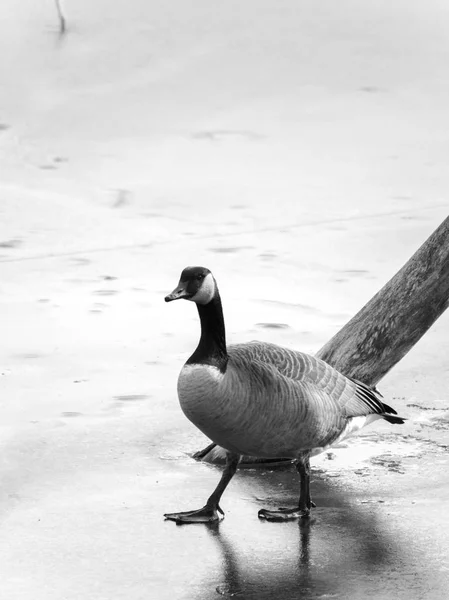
x=224, y=275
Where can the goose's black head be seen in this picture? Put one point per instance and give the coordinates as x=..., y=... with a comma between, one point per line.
x=196, y=284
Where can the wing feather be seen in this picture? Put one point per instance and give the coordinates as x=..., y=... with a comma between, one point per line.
x=349, y=397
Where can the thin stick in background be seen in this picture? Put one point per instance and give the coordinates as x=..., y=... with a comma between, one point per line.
x=62, y=21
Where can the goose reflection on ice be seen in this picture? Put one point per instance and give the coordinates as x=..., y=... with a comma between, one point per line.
x=345, y=550
x=261, y=581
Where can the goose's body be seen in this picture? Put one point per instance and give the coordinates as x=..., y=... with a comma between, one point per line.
x=263, y=400
x=273, y=402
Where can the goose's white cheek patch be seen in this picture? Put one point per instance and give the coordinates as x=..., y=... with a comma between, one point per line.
x=206, y=292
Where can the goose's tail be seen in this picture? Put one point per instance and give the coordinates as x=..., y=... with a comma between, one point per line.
x=390, y=415
x=371, y=397
x=393, y=419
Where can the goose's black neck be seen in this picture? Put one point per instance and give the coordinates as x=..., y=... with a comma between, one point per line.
x=211, y=349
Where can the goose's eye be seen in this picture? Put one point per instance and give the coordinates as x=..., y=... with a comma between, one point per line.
x=200, y=276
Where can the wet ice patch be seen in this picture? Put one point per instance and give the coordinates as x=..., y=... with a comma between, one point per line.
x=79, y=261
x=356, y=271
x=268, y=256
x=14, y=243
x=229, y=249
x=391, y=452
x=273, y=325
x=389, y=462
x=228, y=589
x=131, y=397
x=71, y=413
x=122, y=198
x=105, y=292
x=371, y=89
x=224, y=135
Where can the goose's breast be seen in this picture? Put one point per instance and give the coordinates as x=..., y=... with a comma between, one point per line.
x=200, y=393
x=220, y=406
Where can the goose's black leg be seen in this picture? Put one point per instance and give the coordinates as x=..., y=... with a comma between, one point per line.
x=202, y=453
x=211, y=512
x=303, y=468
x=305, y=501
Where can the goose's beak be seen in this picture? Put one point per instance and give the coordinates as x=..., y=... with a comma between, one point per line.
x=178, y=293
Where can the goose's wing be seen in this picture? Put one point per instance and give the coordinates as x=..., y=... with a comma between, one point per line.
x=349, y=397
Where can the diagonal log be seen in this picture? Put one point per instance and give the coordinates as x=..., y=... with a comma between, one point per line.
x=388, y=326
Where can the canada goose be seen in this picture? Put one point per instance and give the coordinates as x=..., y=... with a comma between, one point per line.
x=263, y=400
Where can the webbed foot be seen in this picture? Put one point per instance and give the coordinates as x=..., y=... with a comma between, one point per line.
x=283, y=514
x=207, y=514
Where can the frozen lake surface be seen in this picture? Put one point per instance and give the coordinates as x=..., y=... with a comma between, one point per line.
x=297, y=149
